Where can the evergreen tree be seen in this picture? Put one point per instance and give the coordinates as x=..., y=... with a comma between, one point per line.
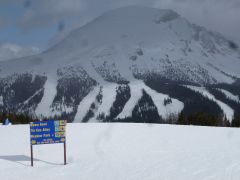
x=236, y=121
x=182, y=119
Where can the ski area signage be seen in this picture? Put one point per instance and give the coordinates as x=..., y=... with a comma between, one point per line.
x=48, y=132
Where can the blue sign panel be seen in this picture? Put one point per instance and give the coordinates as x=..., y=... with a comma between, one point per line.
x=48, y=132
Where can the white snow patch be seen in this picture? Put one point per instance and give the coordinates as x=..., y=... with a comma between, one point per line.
x=230, y=95
x=85, y=104
x=1, y=101
x=228, y=111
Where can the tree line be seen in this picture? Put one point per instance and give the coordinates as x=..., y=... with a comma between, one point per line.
x=16, y=118
x=198, y=119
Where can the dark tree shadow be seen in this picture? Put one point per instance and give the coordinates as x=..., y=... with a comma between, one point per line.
x=19, y=159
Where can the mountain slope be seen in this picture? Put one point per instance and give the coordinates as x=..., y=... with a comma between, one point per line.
x=121, y=47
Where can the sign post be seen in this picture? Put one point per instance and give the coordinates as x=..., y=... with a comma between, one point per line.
x=65, y=153
x=48, y=132
x=31, y=155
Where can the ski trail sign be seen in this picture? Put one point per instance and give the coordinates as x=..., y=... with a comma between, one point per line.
x=48, y=132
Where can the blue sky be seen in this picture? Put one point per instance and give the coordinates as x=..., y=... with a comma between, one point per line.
x=11, y=32
x=41, y=23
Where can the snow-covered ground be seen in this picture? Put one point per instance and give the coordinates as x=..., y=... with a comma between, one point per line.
x=124, y=152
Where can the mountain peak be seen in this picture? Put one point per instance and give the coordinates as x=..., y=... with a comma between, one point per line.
x=136, y=12
x=130, y=24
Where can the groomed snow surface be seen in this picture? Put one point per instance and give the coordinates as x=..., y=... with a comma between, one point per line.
x=124, y=152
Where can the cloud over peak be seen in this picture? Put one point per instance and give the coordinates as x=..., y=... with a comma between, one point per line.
x=10, y=51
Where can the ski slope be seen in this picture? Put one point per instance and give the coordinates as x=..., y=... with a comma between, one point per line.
x=165, y=110
x=136, y=93
x=230, y=95
x=109, y=95
x=137, y=88
x=85, y=105
x=124, y=152
x=50, y=91
x=228, y=111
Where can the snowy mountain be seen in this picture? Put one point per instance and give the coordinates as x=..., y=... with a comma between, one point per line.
x=132, y=63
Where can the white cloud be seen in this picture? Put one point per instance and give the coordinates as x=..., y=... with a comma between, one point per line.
x=219, y=15
x=10, y=51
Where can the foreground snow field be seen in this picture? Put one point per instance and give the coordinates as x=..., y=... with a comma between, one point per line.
x=124, y=152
